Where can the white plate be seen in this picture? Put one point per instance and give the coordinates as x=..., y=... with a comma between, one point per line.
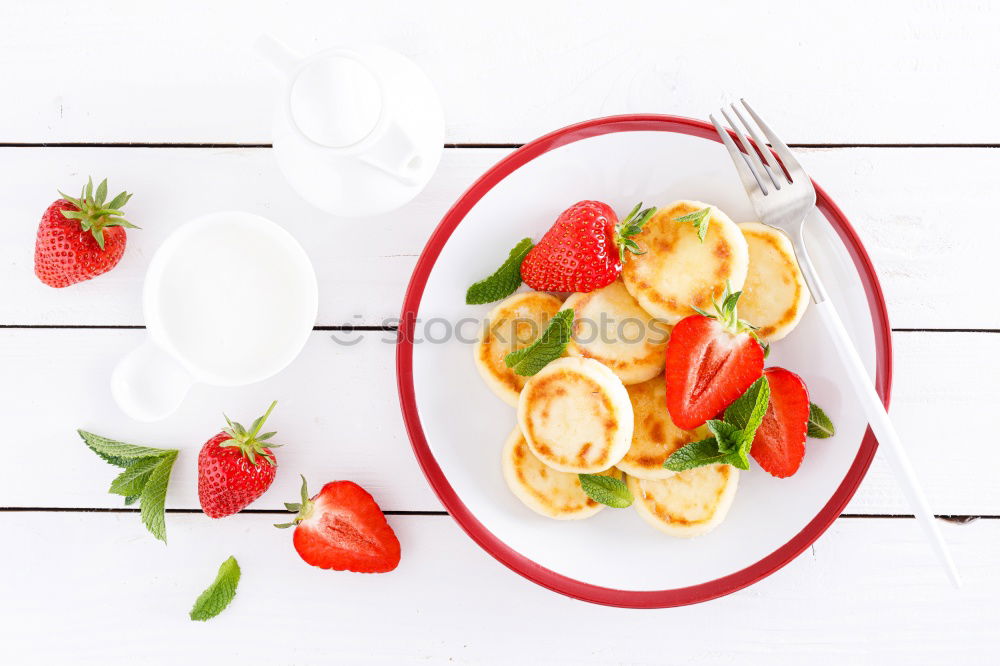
x=458, y=426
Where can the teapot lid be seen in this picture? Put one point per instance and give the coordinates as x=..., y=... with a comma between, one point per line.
x=336, y=101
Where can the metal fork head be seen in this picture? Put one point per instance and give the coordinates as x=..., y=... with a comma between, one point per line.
x=780, y=196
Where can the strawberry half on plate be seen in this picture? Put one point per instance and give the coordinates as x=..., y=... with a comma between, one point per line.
x=780, y=442
x=712, y=359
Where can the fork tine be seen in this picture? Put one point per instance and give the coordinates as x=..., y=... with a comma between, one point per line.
x=787, y=158
x=749, y=154
x=776, y=172
x=746, y=174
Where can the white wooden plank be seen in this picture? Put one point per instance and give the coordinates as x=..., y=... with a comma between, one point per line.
x=362, y=267
x=930, y=244
x=942, y=383
x=338, y=417
x=868, y=592
x=846, y=72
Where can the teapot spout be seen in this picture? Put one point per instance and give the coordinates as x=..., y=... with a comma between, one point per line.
x=276, y=53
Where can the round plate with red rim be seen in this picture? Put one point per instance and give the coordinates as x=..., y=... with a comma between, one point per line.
x=458, y=427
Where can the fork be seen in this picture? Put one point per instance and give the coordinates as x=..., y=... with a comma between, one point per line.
x=782, y=198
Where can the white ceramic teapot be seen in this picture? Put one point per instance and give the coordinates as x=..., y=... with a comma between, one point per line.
x=358, y=130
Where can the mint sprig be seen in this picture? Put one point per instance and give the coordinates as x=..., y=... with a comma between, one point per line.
x=606, y=490
x=145, y=477
x=217, y=596
x=529, y=360
x=699, y=219
x=820, y=425
x=731, y=437
x=504, y=281
x=698, y=454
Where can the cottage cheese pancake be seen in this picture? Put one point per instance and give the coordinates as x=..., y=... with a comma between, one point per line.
x=678, y=270
x=609, y=326
x=689, y=503
x=513, y=324
x=774, y=294
x=576, y=416
x=654, y=435
x=542, y=489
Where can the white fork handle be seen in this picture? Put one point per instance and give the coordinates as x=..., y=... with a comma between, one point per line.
x=889, y=443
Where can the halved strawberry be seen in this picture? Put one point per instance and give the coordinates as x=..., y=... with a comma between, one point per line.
x=780, y=442
x=343, y=528
x=711, y=361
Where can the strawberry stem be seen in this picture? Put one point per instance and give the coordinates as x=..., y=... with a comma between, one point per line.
x=303, y=510
x=92, y=212
x=251, y=443
x=727, y=315
x=630, y=226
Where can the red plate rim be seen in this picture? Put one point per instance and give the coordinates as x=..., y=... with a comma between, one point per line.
x=521, y=564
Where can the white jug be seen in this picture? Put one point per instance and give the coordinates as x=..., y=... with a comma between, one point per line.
x=358, y=130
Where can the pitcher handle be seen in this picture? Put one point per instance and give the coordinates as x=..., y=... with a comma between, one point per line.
x=280, y=56
x=148, y=383
x=396, y=154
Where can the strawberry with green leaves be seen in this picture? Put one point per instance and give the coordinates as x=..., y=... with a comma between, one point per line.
x=585, y=248
x=711, y=360
x=79, y=239
x=235, y=467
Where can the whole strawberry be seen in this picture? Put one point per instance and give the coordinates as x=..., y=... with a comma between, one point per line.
x=79, y=239
x=235, y=468
x=585, y=248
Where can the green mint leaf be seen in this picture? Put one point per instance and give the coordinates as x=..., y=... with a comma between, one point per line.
x=606, y=490
x=217, y=596
x=131, y=481
x=699, y=219
x=747, y=411
x=728, y=437
x=154, y=497
x=820, y=425
x=131, y=499
x=704, y=452
x=732, y=437
x=118, y=453
x=504, y=281
x=527, y=361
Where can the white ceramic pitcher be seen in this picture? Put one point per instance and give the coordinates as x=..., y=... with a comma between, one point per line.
x=358, y=130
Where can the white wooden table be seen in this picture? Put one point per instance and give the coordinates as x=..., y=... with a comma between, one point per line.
x=894, y=111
